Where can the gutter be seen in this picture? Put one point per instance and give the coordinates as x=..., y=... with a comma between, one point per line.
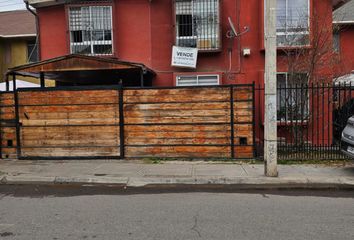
x=343, y=22
x=37, y=28
x=18, y=36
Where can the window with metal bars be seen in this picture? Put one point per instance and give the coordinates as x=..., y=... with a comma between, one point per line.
x=197, y=80
x=198, y=24
x=292, y=97
x=91, y=30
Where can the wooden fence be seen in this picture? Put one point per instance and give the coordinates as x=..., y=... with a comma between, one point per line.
x=111, y=122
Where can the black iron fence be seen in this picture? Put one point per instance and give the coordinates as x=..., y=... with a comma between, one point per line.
x=310, y=119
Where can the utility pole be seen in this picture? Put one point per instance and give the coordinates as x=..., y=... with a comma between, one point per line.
x=270, y=113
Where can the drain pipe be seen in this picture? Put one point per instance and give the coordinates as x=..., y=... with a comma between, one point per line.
x=37, y=28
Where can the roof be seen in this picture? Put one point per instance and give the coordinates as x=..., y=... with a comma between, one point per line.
x=338, y=3
x=20, y=23
x=46, y=3
x=81, y=68
x=344, y=14
x=347, y=79
x=77, y=62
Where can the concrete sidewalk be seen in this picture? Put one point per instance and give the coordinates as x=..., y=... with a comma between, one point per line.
x=140, y=174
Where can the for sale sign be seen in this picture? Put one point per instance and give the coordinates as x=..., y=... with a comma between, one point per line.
x=184, y=57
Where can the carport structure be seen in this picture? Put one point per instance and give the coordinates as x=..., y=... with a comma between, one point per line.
x=83, y=70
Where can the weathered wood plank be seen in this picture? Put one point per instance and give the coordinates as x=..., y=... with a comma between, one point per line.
x=69, y=108
x=179, y=151
x=177, y=128
x=178, y=113
x=55, y=142
x=243, y=151
x=68, y=100
x=177, y=119
x=67, y=94
x=70, y=152
x=55, y=122
x=73, y=130
x=177, y=106
x=176, y=135
x=177, y=141
x=177, y=91
x=67, y=115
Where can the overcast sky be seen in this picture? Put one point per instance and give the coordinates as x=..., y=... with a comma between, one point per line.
x=7, y=5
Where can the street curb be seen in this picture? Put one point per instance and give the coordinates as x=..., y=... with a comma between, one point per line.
x=191, y=183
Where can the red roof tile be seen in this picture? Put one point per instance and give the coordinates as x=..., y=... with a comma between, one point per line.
x=15, y=23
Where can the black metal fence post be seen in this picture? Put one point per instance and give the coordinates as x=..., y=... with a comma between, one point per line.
x=232, y=135
x=121, y=121
x=1, y=107
x=17, y=116
x=254, y=118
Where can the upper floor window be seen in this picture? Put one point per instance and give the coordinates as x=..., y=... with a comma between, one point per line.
x=293, y=23
x=32, y=51
x=198, y=24
x=336, y=41
x=91, y=30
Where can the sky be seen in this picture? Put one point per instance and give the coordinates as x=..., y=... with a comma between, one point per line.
x=7, y=5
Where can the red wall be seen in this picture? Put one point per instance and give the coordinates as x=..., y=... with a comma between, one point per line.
x=53, y=32
x=144, y=32
x=346, y=48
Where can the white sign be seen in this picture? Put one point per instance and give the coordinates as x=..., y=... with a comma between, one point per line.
x=184, y=57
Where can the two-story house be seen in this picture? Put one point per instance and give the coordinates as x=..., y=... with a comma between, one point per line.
x=17, y=40
x=343, y=37
x=145, y=31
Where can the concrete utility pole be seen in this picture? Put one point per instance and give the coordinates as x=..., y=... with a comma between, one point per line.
x=270, y=113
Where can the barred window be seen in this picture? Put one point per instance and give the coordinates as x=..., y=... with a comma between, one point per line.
x=197, y=80
x=292, y=98
x=91, y=30
x=198, y=24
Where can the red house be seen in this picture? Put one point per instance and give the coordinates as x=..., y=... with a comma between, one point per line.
x=145, y=31
x=343, y=22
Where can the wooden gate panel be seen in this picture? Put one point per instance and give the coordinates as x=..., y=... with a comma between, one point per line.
x=66, y=123
x=7, y=125
x=188, y=122
x=179, y=122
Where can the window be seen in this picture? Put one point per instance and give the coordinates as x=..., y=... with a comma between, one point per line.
x=91, y=30
x=293, y=23
x=336, y=41
x=197, y=80
x=198, y=24
x=292, y=97
x=32, y=51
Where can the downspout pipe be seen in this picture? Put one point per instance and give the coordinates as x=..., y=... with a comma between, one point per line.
x=37, y=28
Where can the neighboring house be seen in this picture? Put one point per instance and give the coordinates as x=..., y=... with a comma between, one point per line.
x=144, y=31
x=343, y=22
x=17, y=40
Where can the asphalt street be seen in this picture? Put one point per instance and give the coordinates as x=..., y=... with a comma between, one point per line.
x=107, y=213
